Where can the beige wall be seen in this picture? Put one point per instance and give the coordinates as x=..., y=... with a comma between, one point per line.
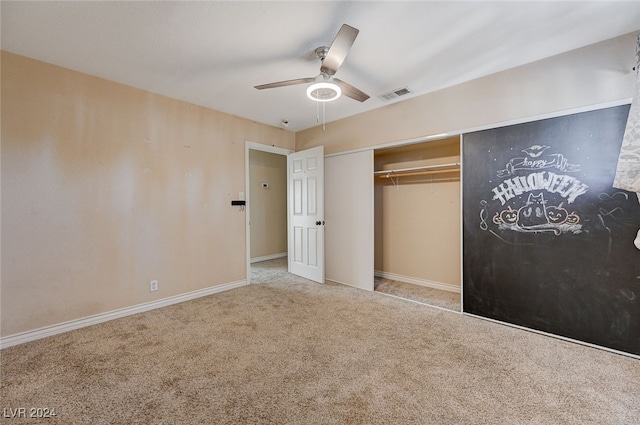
x=592, y=75
x=268, y=206
x=106, y=187
x=417, y=222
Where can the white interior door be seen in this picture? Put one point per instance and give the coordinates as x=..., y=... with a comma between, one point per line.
x=349, y=212
x=305, y=175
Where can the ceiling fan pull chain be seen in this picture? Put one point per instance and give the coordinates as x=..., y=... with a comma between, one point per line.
x=324, y=116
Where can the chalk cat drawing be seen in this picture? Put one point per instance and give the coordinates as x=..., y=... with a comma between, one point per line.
x=533, y=214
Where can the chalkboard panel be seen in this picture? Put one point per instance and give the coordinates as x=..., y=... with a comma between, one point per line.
x=548, y=242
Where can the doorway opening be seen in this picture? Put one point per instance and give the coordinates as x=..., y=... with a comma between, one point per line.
x=266, y=210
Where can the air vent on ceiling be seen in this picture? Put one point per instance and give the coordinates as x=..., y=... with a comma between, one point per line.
x=395, y=93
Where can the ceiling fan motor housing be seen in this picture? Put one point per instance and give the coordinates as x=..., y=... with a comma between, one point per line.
x=321, y=52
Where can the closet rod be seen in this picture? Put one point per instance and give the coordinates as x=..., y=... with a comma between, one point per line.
x=416, y=173
x=440, y=168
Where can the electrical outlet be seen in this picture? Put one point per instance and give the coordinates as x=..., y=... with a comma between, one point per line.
x=153, y=285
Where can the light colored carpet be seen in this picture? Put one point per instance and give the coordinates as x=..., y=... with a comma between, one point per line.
x=288, y=351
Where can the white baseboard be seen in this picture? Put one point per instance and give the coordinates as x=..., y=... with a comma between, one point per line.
x=268, y=257
x=420, y=302
x=20, y=338
x=414, y=281
x=337, y=282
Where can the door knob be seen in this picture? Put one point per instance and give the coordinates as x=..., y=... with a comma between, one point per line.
x=319, y=223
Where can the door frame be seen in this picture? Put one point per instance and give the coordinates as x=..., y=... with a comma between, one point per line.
x=248, y=145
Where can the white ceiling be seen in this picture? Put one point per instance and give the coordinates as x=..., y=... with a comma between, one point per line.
x=212, y=53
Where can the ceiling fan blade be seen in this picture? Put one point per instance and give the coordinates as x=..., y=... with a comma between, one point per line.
x=286, y=83
x=350, y=91
x=339, y=49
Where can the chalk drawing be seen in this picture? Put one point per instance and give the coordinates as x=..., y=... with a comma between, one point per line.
x=535, y=193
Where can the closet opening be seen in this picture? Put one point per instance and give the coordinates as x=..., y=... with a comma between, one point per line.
x=417, y=196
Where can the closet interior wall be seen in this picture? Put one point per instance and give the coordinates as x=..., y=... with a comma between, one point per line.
x=417, y=215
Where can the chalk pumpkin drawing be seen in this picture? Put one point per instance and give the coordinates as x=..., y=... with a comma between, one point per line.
x=529, y=183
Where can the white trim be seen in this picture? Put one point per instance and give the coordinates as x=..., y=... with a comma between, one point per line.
x=419, y=302
x=268, y=257
x=415, y=281
x=337, y=282
x=20, y=338
x=247, y=192
x=548, y=115
x=267, y=148
x=461, y=224
x=564, y=338
x=419, y=139
x=440, y=136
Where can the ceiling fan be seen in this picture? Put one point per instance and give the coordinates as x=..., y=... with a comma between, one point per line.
x=325, y=87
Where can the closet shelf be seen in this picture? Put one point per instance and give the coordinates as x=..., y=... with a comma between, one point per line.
x=417, y=171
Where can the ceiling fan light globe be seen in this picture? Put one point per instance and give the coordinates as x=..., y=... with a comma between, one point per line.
x=324, y=91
